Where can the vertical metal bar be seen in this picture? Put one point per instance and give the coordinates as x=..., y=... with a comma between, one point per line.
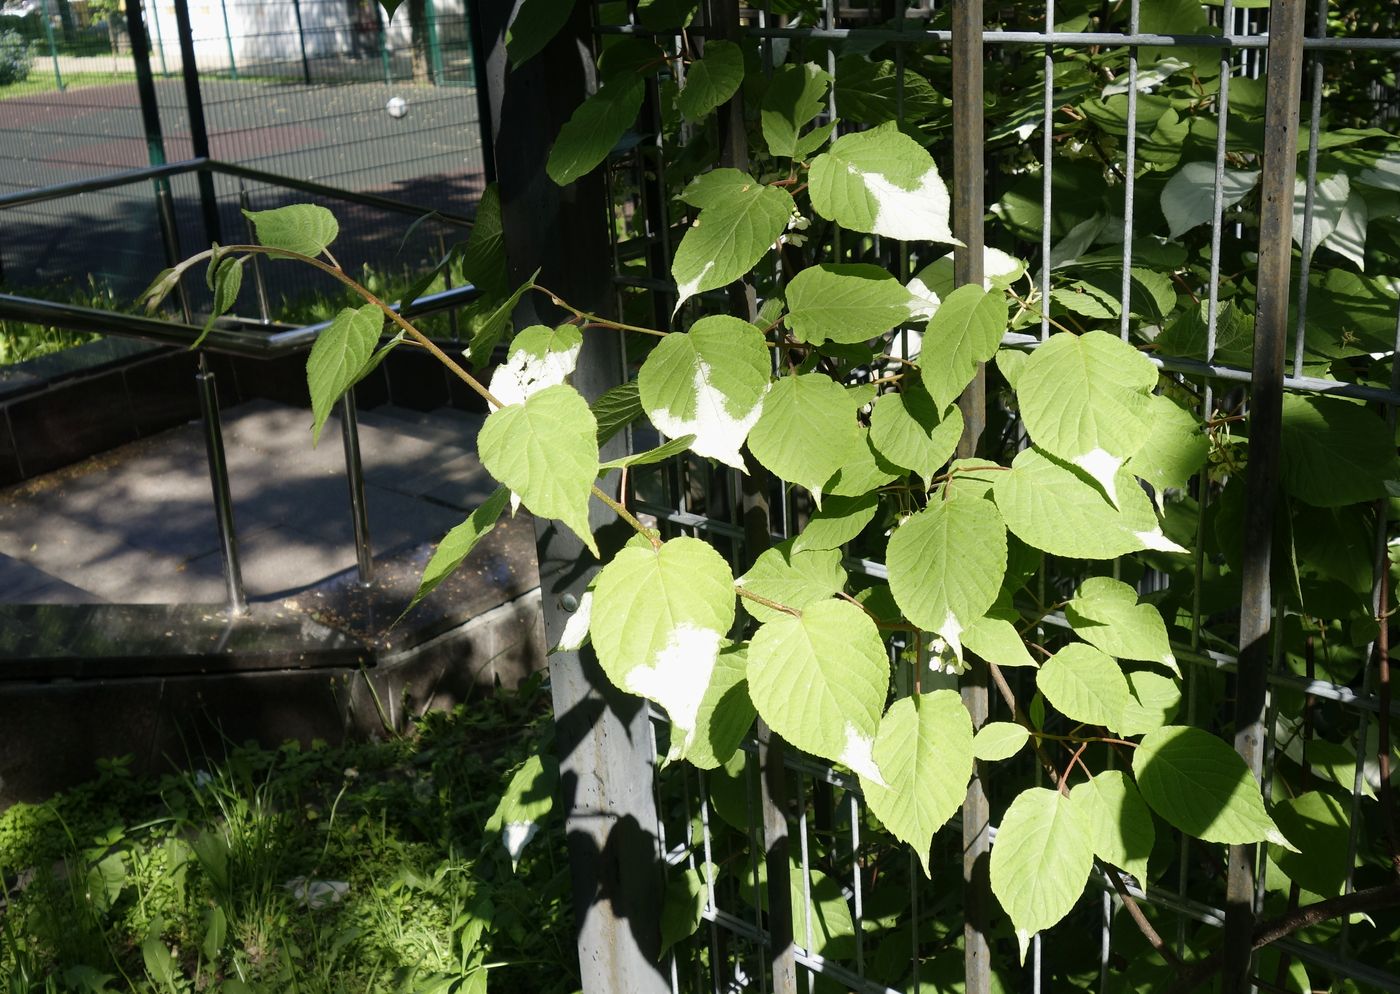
x=145, y=85
x=259, y=283
x=968, y=210
x=485, y=113
x=160, y=41
x=1129, y=175
x=1310, y=193
x=806, y=878
x=483, y=107
x=355, y=477
x=1047, y=155
x=228, y=41
x=199, y=131
x=53, y=46
x=856, y=883
x=218, y=478
x=434, y=51
x=301, y=41
x=1283, y=90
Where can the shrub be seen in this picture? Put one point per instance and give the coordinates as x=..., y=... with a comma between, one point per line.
x=14, y=58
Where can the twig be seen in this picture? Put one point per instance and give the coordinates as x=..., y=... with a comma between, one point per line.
x=1135, y=911
x=774, y=605
x=1372, y=899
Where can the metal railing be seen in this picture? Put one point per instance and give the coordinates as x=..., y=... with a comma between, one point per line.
x=259, y=338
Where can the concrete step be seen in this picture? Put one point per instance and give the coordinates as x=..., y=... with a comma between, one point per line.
x=445, y=426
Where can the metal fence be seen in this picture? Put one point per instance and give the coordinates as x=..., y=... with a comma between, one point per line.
x=988, y=91
x=324, y=90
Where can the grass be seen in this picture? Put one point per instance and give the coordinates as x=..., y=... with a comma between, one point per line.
x=359, y=869
x=41, y=80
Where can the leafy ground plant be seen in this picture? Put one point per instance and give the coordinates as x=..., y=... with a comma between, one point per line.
x=366, y=868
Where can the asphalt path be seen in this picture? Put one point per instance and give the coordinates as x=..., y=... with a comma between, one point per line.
x=338, y=134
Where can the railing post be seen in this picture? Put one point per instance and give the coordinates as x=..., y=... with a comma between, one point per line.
x=355, y=477
x=1283, y=90
x=604, y=744
x=969, y=177
x=218, y=478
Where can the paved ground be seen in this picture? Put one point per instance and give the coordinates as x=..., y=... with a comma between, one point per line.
x=136, y=525
x=334, y=133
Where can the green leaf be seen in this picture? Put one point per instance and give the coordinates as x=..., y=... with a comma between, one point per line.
x=595, y=128
x=708, y=383
x=658, y=623
x=820, y=682
x=1106, y=613
x=682, y=906
x=160, y=964
x=534, y=24
x=1202, y=787
x=302, y=228
x=999, y=271
x=1084, y=399
x=998, y=740
x=1188, y=198
x=873, y=92
x=227, y=279
x=864, y=470
x=528, y=799
x=616, y=409
x=794, y=96
x=882, y=182
x=657, y=14
x=807, y=430
x=546, y=451
x=1319, y=826
x=338, y=357
x=964, y=331
x=908, y=430
x=793, y=579
x=488, y=333
x=1085, y=685
x=1335, y=452
x=728, y=238
x=650, y=457
x=1154, y=703
x=994, y=638
x=457, y=544
x=725, y=715
x=1119, y=821
x=711, y=80
x=846, y=303
x=1055, y=507
x=839, y=520
x=1175, y=449
x=483, y=261
x=539, y=357
x=924, y=750
x=1040, y=860
x=946, y=564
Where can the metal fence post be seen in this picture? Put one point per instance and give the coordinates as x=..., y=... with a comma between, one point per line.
x=199, y=129
x=301, y=42
x=228, y=41
x=53, y=46
x=602, y=739
x=969, y=176
x=1283, y=92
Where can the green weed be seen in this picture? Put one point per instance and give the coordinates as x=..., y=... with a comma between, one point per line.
x=357, y=869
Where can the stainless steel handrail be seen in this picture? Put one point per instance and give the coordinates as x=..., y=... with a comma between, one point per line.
x=252, y=340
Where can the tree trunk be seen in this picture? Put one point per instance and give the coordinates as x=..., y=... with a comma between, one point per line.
x=418, y=28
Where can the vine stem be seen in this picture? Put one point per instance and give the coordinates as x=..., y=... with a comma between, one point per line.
x=595, y=319
x=760, y=599
x=627, y=516
x=1037, y=312
x=339, y=274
